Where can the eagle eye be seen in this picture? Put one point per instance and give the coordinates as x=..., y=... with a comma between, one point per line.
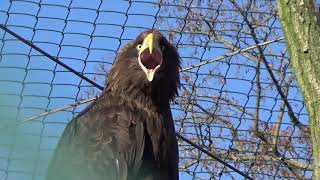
x=139, y=46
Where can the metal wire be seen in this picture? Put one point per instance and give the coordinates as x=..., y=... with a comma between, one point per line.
x=101, y=88
x=239, y=113
x=49, y=56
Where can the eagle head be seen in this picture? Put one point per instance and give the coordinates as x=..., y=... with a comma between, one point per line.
x=149, y=64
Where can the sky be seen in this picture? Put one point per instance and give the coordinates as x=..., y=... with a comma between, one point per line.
x=34, y=83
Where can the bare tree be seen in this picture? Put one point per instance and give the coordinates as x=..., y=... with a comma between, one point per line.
x=238, y=130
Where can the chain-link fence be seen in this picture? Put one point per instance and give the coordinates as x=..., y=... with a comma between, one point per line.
x=239, y=113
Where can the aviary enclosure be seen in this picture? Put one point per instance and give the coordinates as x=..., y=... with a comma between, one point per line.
x=239, y=114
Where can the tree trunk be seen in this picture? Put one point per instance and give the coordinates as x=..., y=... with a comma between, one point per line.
x=301, y=27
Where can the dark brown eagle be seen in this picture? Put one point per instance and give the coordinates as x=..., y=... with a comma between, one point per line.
x=128, y=132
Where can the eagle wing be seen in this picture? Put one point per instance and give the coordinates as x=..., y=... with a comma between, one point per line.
x=102, y=142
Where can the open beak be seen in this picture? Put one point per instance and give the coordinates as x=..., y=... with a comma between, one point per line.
x=150, y=56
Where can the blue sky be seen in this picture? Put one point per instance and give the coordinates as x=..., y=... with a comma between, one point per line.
x=34, y=83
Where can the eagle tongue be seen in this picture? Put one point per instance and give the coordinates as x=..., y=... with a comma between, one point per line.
x=150, y=61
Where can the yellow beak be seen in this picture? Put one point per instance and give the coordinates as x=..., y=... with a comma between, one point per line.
x=147, y=43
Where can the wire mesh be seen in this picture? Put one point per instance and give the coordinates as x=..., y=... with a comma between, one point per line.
x=238, y=98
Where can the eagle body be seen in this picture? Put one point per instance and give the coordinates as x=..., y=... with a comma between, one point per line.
x=127, y=133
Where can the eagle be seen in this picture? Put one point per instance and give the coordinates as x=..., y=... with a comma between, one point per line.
x=127, y=133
